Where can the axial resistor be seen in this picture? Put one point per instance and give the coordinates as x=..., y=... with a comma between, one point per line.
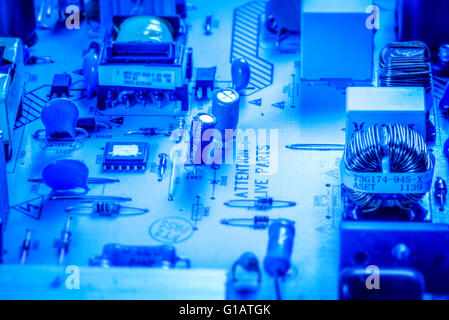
x=281, y=236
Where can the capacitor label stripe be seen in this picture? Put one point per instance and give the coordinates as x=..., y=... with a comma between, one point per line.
x=245, y=44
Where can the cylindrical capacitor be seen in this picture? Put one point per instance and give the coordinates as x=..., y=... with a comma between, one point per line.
x=226, y=108
x=90, y=68
x=241, y=74
x=280, y=246
x=18, y=19
x=200, y=137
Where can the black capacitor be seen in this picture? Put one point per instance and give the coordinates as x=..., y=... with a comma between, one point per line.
x=423, y=20
x=18, y=20
x=280, y=246
x=201, y=123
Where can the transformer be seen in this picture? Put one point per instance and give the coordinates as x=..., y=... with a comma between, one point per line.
x=139, y=69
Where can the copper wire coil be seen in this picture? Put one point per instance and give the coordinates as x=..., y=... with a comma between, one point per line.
x=405, y=148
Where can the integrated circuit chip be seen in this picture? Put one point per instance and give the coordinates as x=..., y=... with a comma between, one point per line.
x=125, y=156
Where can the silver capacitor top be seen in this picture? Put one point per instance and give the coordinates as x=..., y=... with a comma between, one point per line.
x=226, y=108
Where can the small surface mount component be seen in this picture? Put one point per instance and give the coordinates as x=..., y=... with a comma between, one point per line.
x=205, y=80
x=125, y=156
x=60, y=86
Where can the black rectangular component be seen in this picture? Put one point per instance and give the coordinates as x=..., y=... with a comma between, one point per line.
x=125, y=156
x=61, y=85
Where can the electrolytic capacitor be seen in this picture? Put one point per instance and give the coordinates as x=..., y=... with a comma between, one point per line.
x=440, y=192
x=226, y=108
x=18, y=20
x=201, y=123
x=280, y=246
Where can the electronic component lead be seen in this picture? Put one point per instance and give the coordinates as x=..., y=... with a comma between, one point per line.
x=258, y=222
x=92, y=180
x=91, y=198
x=316, y=147
x=262, y=204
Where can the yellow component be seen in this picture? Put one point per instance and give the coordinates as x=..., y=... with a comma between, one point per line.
x=145, y=29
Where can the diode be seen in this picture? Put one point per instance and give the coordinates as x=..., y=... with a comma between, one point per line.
x=63, y=242
x=440, y=192
x=280, y=246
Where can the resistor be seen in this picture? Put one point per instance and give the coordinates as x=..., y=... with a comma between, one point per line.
x=280, y=246
x=440, y=192
x=106, y=209
x=64, y=241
